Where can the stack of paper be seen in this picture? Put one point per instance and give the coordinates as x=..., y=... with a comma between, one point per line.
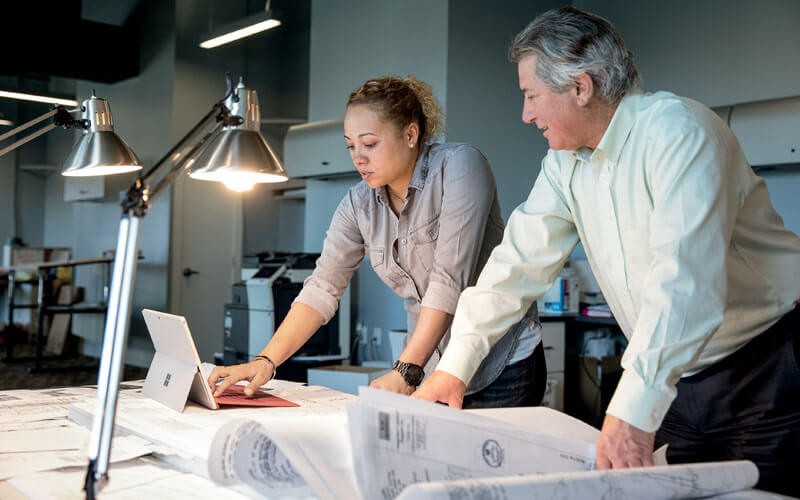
x=405, y=448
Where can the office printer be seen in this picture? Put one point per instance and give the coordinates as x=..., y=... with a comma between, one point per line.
x=263, y=298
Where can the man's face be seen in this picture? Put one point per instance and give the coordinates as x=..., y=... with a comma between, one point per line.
x=558, y=115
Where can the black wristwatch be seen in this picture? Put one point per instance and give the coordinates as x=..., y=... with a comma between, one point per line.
x=411, y=373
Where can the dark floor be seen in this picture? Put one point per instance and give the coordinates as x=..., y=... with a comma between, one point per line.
x=19, y=372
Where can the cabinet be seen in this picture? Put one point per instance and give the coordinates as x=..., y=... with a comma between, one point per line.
x=554, y=341
x=105, y=188
x=577, y=383
x=316, y=149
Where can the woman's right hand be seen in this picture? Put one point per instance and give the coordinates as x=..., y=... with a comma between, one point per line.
x=258, y=372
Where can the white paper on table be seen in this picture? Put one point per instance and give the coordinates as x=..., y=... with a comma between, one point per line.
x=133, y=479
x=401, y=441
x=27, y=406
x=313, y=435
x=57, y=438
x=645, y=483
x=189, y=433
x=16, y=464
x=544, y=420
x=286, y=458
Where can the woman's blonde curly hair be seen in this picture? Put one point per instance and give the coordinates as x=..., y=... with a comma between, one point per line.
x=402, y=101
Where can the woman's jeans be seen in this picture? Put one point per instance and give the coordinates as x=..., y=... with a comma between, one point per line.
x=520, y=384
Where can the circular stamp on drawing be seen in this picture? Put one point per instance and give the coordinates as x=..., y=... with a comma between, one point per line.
x=492, y=453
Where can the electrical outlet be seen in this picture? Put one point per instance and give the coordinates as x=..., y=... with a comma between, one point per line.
x=361, y=333
x=376, y=335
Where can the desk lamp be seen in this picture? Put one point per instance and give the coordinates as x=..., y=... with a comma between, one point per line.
x=98, y=152
x=226, y=146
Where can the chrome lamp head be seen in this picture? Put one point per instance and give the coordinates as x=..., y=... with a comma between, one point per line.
x=99, y=151
x=239, y=157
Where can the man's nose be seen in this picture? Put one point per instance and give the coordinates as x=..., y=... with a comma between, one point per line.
x=528, y=115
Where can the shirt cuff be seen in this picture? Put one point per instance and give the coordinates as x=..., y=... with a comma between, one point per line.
x=463, y=356
x=441, y=297
x=322, y=302
x=639, y=405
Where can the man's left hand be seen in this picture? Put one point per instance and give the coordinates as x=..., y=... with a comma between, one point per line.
x=622, y=445
x=444, y=388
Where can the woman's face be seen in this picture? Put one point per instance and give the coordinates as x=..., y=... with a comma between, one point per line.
x=381, y=152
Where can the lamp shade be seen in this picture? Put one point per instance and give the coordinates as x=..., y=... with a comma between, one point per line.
x=239, y=156
x=99, y=151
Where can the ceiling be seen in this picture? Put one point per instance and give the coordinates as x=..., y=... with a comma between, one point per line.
x=55, y=39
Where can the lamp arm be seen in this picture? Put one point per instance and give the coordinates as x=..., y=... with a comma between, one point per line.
x=111, y=361
x=223, y=117
x=115, y=335
x=62, y=118
x=219, y=112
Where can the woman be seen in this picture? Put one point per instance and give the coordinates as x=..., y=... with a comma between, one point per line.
x=426, y=215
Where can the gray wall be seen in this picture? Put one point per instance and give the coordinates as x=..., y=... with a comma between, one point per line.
x=353, y=40
x=719, y=52
x=484, y=103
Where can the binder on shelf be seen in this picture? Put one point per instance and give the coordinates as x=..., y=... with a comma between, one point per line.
x=597, y=311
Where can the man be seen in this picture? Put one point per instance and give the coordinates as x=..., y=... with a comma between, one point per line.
x=683, y=239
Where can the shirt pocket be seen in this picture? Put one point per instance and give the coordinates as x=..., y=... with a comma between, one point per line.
x=424, y=239
x=376, y=255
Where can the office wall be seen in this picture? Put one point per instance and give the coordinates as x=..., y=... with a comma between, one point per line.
x=8, y=183
x=484, y=103
x=353, y=40
x=719, y=52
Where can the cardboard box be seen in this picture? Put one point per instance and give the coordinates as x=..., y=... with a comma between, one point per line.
x=344, y=378
x=18, y=255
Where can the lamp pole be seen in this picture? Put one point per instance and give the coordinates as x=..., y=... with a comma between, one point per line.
x=134, y=207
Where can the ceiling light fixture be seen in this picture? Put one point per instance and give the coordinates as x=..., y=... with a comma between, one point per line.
x=21, y=96
x=245, y=27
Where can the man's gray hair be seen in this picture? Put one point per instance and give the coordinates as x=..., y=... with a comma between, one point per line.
x=568, y=42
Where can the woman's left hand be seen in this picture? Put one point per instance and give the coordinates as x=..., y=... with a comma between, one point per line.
x=393, y=382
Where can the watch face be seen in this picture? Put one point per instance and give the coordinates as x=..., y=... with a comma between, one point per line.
x=411, y=373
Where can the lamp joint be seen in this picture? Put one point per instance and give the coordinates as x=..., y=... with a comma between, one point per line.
x=65, y=120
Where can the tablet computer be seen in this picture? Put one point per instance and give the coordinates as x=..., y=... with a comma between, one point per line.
x=174, y=374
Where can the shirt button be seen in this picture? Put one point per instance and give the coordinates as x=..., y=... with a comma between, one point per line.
x=403, y=241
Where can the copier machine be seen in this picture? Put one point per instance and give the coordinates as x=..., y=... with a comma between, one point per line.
x=261, y=300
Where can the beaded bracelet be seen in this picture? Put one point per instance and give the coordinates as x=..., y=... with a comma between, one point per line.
x=271, y=363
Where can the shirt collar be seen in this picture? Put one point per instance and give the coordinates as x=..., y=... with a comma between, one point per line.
x=417, y=178
x=616, y=134
x=420, y=169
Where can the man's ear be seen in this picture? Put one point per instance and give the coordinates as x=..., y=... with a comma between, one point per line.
x=584, y=89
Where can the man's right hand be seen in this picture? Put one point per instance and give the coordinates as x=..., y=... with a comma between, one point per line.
x=257, y=372
x=442, y=387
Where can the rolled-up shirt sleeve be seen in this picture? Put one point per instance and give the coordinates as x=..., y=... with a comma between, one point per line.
x=538, y=239
x=469, y=193
x=342, y=252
